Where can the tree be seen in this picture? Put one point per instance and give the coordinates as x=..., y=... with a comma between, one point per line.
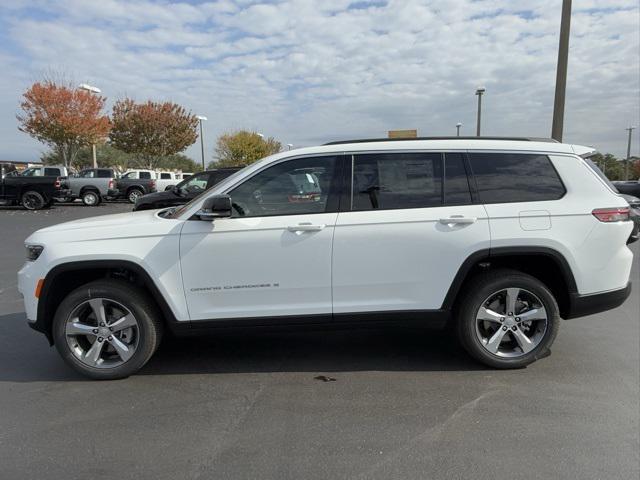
x=152, y=130
x=634, y=169
x=180, y=162
x=610, y=165
x=242, y=148
x=63, y=117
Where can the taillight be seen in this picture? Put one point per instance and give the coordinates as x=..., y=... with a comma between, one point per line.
x=619, y=214
x=111, y=184
x=57, y=184
x=153, y=184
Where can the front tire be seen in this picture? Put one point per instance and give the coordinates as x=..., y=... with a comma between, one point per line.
x=32, y=200
x=107, y=329
x=507, y=319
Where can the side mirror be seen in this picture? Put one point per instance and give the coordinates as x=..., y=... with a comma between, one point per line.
x=216, y=206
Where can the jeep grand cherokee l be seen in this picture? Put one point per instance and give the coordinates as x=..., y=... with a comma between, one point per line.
x=500, y=237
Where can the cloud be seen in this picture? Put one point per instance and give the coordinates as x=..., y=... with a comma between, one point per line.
x=308, y=72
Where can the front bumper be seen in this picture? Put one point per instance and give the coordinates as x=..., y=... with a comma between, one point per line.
x=583, y=305
x=62, y=193
x=113, y=193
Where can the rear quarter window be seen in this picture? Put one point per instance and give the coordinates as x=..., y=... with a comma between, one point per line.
x=515, y=177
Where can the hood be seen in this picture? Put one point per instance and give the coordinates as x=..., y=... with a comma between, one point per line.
x=110, y=221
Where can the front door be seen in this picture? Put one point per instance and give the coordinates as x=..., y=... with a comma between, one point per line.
x=273, y=256
x=409, y=226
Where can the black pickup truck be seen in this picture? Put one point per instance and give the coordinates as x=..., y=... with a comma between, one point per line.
x=132, y=188
x=33, y=193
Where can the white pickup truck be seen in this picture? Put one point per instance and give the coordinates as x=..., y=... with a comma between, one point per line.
x=164, y=180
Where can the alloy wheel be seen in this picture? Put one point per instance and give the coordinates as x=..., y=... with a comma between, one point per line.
x=102, y=333
x=511, y=322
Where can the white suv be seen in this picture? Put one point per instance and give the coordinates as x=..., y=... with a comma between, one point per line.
x=501, y=237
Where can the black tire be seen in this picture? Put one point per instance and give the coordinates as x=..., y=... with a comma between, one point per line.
x=90, y=198
x=32, y=200
x=133, y=195
x=137, y=301
x=479, y=289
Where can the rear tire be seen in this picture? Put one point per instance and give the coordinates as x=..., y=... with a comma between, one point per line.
x=90, y=198
x=77, y=329
x=500, y=338
x=32, y=200
x=134, y=194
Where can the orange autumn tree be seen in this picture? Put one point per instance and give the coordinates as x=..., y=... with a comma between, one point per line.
x=152, y=130
x=63, y=117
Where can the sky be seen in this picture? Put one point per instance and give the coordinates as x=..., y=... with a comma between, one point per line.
x=311, y=71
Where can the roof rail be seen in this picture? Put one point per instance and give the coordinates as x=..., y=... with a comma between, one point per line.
x=372, y=140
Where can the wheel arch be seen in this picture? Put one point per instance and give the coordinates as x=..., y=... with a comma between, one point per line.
x=64, y=278
x=546, y=264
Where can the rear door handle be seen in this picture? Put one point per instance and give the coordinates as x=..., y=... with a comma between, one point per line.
x=305, y=227
x=454, y=219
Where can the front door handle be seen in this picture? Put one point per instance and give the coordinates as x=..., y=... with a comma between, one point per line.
x=305, y=227
x=455, y=219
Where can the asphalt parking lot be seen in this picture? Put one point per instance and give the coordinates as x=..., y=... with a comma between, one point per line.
x=306, y=405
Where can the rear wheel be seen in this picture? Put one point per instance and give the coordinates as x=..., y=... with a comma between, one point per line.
x=134, y=194
x=507, y=319
x=107, y=329
x=90, y=198
x=32, y=200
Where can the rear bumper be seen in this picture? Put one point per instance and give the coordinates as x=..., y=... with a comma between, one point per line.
x=583, y=305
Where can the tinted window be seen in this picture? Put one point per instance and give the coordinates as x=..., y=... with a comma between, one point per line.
x=51, y=172
x=506, y=177
x=289, y=188
x=165, y=176
x=145, y=175
x=87, y=174
x=105, y=174
x=196, y=184
x=456, y=185
x=397, y=180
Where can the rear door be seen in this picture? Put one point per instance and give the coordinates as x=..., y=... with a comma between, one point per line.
x=404, y=231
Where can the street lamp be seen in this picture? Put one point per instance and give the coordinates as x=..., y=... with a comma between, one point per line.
x=626, y=164
x=479, y=92
x=95, y=90
x=201, y=118
x=289, y=146
x=458, y=125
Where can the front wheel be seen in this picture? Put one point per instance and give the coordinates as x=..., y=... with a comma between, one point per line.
x=507, y=319
x=33, y=200
x=107, y=329
x=134, y=194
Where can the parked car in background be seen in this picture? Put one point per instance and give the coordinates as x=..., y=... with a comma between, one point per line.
x=634, y=214
x=133, y=185
x=91, y=185
x=33, y=193
x=629, y=188
x=164, y=180
x=185, y=191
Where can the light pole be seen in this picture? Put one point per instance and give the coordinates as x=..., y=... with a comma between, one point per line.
x=201, y=118
x=479, y=92
x=96, y=90
x=289, y=146
x=458, y=125
x=561, y=72
x=626, y=163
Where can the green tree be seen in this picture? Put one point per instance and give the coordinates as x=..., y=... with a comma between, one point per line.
x=610, y=165
x=179, y=162
x=152, y=131
x=242, y=148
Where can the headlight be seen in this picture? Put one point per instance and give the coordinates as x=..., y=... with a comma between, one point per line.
x=33, y=252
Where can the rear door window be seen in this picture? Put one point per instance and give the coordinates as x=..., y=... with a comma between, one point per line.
x=515, y=177
x=145, y=175
x=396, y=180
x=456, y=183
x=105, y=174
